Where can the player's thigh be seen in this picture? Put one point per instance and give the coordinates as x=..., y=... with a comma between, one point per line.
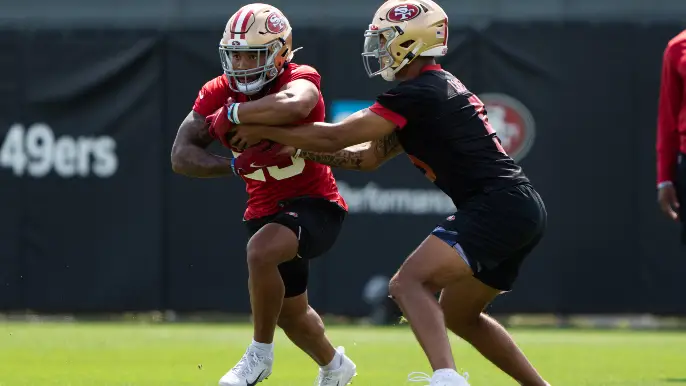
x=434, y=264
x=317, y=223
x=504, y=275
x=264, y=249
x=463, y=301
x=273, y=243
x=495, y=232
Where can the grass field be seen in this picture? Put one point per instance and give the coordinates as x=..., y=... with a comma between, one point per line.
x=166, y=354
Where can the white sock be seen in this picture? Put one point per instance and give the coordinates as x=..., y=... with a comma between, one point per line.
x=335, y=363
x=445, y=373
x=268, y=347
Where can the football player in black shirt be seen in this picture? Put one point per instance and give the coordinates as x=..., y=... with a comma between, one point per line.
x=475, y=254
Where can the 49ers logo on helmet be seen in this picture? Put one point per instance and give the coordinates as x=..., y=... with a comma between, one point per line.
x=276, y=23
x=403, y=12
x=512, y=122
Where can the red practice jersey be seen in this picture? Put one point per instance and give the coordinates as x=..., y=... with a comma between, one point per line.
x=671, y=122
x=267, y=187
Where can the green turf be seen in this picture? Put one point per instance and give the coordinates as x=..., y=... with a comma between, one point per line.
x=168, y=355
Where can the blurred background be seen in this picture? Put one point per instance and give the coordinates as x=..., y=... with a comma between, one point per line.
x=93, y=221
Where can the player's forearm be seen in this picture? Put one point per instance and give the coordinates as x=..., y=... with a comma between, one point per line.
x=316, y=137
x=667, y=153
x=193, y=161
x=667, y=140
x=358, y=157
x=282, y=108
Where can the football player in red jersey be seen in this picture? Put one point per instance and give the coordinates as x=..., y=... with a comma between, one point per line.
x=295, y=211
x=473, y=255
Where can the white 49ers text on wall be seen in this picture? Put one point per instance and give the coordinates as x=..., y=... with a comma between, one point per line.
x=35, y=152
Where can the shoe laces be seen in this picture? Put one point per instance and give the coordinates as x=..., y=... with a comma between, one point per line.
x=419, y=377
x=324, y=377
x=247, y=363
x=424, y=377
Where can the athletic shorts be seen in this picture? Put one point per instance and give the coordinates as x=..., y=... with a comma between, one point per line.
x=316, y=222
x=495, y=231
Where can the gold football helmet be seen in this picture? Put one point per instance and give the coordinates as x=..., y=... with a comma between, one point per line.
x=263, y=33
x=401, y=31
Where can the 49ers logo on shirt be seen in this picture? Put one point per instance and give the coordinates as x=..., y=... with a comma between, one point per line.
x=512, y=122
x=403, y=12
x=276, y=23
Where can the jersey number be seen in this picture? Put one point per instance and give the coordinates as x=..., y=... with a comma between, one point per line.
x=276, y=172
x=479, y=107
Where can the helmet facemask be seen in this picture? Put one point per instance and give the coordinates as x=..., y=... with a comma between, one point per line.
x=251, y=81
x=377, y=52
x=375, y=55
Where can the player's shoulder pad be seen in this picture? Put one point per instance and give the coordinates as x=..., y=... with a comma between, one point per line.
x=303, y=69
x=412, y=90
x=215, y=84
x=300, y=71
x=675, y=46
x=212, y=95
x=680, y=38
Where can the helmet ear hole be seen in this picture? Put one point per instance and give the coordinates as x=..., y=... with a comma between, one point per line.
x=407, y=44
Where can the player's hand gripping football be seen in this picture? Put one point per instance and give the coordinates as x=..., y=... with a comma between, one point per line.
x=264, y=154
x=246, y=136
x=668, y=201
x=220, y=126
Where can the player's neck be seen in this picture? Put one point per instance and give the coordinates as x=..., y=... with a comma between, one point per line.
x=414, y=69
x=260, y=94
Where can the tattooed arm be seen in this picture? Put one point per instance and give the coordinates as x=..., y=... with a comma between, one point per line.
x=189, y=155
x=366, y=156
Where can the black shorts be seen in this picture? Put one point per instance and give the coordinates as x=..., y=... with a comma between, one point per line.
x=494, y=232
x=680, y=185
x=317, y=223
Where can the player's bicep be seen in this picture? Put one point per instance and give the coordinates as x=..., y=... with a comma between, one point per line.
x=304, y=92
x=387, y=147
x=363, y=126
x=394, y=116
x=193, y=131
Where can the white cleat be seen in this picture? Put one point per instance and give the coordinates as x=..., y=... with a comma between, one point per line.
x=443, y=379
x=254, y=367
x=341, y=376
